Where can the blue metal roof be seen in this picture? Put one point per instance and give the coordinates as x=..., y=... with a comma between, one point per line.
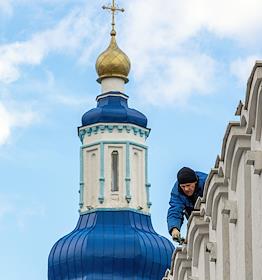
x=114, y=109
x=111, y=245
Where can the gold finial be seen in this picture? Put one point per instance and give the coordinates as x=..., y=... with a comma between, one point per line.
x=113, y=62
x=113, y=8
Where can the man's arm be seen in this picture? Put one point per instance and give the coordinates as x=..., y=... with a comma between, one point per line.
x=175, y=216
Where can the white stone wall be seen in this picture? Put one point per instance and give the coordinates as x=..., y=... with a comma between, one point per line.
x=224, y=232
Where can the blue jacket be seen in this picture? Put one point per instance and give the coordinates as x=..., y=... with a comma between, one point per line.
x=181, y=205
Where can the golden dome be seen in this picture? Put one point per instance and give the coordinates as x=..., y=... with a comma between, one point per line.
x=113, y=62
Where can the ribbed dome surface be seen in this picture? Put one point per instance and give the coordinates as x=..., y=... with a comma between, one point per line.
x=113, y=109
x=113, y=62
x=111, y=245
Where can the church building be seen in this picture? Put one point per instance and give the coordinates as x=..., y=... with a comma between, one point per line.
x=224, y=231
x=114, y=237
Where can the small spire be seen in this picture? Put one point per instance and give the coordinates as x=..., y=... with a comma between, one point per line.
x=113, y=62
x=114, y=9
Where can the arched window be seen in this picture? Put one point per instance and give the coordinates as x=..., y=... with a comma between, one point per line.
x=115, y=171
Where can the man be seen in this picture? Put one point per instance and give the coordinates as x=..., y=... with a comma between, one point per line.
x=188, y=187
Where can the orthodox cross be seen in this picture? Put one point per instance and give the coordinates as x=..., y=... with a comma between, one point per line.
x=114, y=9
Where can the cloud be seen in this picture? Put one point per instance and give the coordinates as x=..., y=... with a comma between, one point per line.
x=66, y=37
x=6, y=7
x=173, y=22
x=5, y=124
x=178, y=80
x=242, y=67
x=166, y=34
x=12, y=117
x=168, y=64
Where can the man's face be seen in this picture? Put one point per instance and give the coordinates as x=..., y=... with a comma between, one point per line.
x=188, y=188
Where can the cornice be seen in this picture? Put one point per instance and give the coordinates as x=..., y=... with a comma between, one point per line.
x=110, y=128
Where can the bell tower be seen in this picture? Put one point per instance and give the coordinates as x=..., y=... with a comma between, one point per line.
x=114, y=152
x=114, y=237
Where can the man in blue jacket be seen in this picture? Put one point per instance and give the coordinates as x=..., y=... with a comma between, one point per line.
x=188, y=187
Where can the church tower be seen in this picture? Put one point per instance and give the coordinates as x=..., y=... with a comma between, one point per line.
x=114, y=237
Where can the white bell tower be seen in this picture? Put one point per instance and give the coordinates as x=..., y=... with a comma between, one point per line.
x=114, y=155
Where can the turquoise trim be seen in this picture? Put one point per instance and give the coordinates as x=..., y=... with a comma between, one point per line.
x=128, y=179
x=81, y=135
x=114, y=143
x=146, y=177
x=142, y=132
x=81, y=190
x=102, y=175
x=115, y=209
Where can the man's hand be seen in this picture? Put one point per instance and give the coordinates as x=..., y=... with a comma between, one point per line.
x=175, y=234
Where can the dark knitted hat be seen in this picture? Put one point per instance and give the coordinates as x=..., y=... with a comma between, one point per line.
x=186, y=175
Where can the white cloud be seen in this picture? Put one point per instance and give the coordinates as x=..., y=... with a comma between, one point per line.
x=178, y=79
x=242, y=67
x=6, y=7
x=67, y=36
x=172, y=22
x=158, y=37
x=5, y=124
x=167, y=63
x=12, y=117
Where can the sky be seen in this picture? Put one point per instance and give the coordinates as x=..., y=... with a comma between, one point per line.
x=190, y=61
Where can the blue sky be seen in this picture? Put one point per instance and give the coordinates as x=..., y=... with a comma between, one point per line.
x=190, y=63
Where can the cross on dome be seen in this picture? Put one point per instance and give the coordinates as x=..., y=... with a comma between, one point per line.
x=113, y=62
x=114, y=9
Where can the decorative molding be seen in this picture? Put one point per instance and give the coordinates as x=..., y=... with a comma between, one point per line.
x=114, y=143
x=197, y=229
x=211, y=248
x=114, y=209
x=230, y=208
x=237, y=143
x=255, y=158
x=220, y=193
x=254, y=76
x=252, y=98
x=231, y=186
x=242, y=144
x=200, y=236
x=102, y=128
x=127, y=179
x=146, y=179
x=212, y=173
x=230, y=128
x=111, y=93
x=258, y=122
x=101, y=145
x=212, y=186
x=149, y=203
x=82, y=184
x=180, y=264
x=102, y=175
x=239, y=108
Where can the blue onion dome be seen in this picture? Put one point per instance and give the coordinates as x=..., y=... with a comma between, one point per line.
x=119, y=245
x=114, y=109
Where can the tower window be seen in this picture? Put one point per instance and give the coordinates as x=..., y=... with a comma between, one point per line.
x=115, y=171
